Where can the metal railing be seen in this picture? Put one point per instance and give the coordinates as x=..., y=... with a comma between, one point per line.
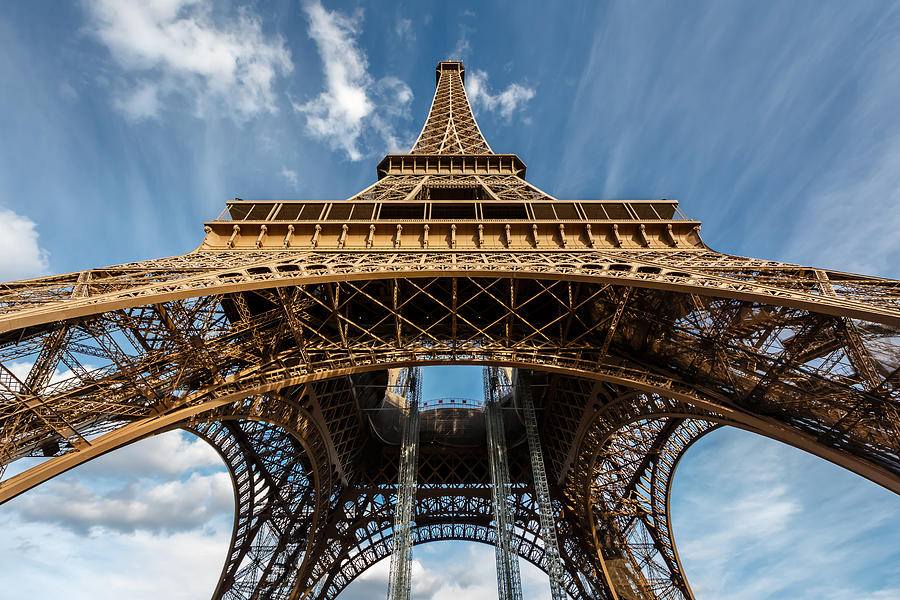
x=436, y=403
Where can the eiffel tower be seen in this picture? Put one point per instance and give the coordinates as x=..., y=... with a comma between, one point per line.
x=291, y=340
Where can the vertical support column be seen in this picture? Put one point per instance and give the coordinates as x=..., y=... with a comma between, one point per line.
x=542, y=492
x=509, y=582
x=400, y=584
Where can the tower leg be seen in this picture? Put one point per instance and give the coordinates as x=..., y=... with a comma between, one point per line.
x=542, y=493
x=509, y=581
x=275, y=508
x=400, y=583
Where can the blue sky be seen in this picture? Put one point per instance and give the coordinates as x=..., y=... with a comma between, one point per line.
x=124, y=127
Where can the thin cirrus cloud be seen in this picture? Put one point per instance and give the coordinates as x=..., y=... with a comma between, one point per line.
x=757, y=519
x=349, y=111
x=786, y=104
x=290, y=176
x=176, y=49
x=404, y=30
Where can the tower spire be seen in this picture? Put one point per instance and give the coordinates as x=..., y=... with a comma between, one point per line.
x=450, y=127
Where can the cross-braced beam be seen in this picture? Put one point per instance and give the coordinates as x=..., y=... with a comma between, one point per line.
x=399, y=581
x=542, y=491
x=509, y=581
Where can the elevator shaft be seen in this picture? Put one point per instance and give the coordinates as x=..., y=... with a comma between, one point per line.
x=509, y=581
x=400, y=583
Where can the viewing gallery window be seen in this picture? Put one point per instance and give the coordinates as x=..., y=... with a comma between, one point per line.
x=453, y=193
x=453, y=211
x=445, y=204
x=514, y=212
x=401, y=212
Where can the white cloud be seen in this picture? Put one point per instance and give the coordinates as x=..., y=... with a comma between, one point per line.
x=449, y=571
x=291, y=176
x=178, y=48
x=151, y=520
x=507, y=102
x=20, y=254
x=352, y=103
x=170, y=482
x=755, y=518
x=40, y=560
x=162, y=456
x=167, y=507
x=404, y=30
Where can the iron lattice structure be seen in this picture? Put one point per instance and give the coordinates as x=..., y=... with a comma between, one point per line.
x=400, y=579
x=274, y=341
x=509, y=580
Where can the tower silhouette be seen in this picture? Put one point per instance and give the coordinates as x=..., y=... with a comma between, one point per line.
x=612, y=337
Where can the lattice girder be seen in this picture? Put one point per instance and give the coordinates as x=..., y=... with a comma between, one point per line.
x=662, y=341
x=630, y=505
x=275, y=509
x=721, y=345
x=35, y=302
x=450, y=127
x=464, y=513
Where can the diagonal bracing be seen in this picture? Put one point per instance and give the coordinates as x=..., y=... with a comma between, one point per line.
x=542, y=492
x=400, y=584
x=509, y=581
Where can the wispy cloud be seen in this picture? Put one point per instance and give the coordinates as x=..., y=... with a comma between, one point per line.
x=748, y=516
x=290, y=176
x=163, y=508
x=353, y=104
x=776, y=127
x=179, y=49
x=834, y=233
x=463, y=46
x=507, y=102
x=21, y=255
x=404, y=29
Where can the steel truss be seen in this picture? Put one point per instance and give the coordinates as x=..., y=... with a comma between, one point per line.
x=509, y=581
x=278, y=354
x=542, y=492
x=274, y=506
x=399, y=582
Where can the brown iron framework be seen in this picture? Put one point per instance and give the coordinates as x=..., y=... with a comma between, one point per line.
x=273, y=339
